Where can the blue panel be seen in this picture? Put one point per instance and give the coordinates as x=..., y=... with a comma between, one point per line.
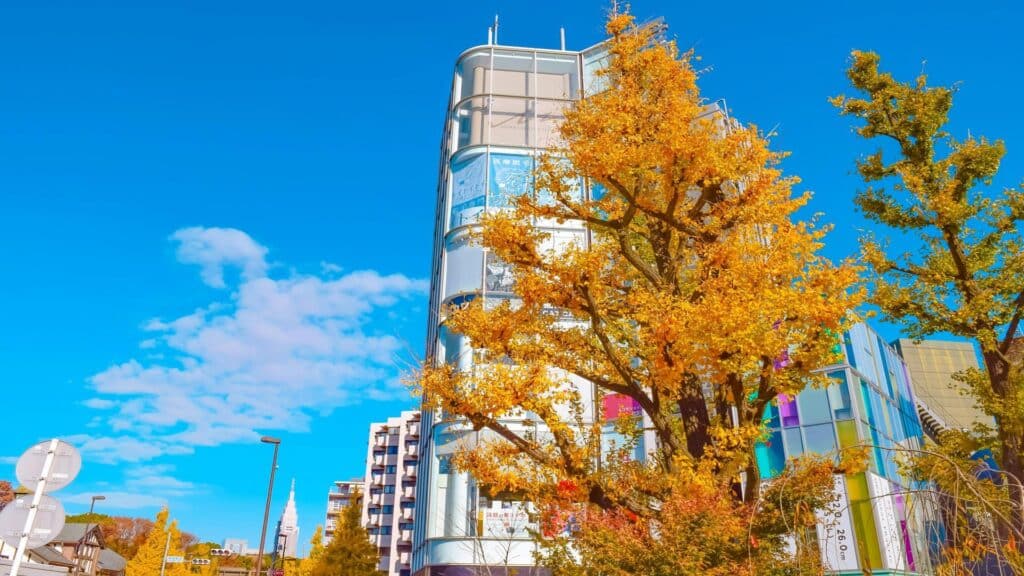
x=814, y=408
x=468, y=180
x=821, y=438
x=770, y=456
x=883, y=351
x=839, y=397
x=511, y=176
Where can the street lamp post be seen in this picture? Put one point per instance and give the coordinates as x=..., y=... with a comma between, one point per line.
x=88, y=527
x=92, y=503
x=270, y=491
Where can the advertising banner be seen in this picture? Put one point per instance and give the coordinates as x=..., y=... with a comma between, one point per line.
x=510, y=522
x=835, y=531
x=511, y=175
x=890, y=537
x=468, y=180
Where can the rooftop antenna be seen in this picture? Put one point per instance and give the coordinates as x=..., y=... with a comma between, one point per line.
x=490, y=35
x=495, y=28
x=562, y=34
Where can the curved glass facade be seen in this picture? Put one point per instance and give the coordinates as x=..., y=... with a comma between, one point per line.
x=504, y=111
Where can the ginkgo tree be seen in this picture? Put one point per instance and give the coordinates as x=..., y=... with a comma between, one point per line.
x=694, y=292
x=958, y=266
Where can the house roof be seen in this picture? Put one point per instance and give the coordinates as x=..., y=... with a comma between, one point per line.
x=112, y=561
x=50, y=556
x=75, y=531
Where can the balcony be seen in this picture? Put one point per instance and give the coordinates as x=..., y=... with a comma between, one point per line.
x=403, y=558
x=410, y=471
x=408, y=492
x=378, y=479
x=412, y=449
x=376, y=498
x=408, y=513
x=406, y=537
x=413, y=429
x=380, y=440
x=378, y=460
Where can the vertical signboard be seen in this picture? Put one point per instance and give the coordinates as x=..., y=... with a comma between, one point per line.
x=468, y=180
x=511, y=176
x=835, y=531
x=890, y=538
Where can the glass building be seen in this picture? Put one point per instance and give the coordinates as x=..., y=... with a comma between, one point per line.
x=505, y=107
x=504, y=110
x=880, y=520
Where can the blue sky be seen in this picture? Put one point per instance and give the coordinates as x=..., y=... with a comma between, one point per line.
x=182, y=181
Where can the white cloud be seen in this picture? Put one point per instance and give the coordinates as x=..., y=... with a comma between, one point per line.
x=125, y=500
x=213, y=249
x=114, y=449
x=276, y=352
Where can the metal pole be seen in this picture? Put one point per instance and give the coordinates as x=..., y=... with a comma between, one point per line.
x=266, y=511
x=37, y=497
x=88, y=526
x=167, y=548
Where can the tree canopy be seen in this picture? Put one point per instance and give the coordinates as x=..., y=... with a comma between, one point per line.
x=350, y=552
x=957, y=266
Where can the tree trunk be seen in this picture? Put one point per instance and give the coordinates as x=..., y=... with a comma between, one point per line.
x=1011, y=443
x=693, y=410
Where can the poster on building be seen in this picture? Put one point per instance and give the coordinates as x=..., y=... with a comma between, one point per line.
x=468, y=180
x=890, y=537
x=835, y=530
x=508, y=522
x=511, y=176
x=497, y=274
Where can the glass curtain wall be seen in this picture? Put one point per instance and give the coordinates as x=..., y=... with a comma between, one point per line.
x=881, y=519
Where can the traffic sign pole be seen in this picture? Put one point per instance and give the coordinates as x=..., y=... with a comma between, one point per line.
x=37, y=496
x=167, y=548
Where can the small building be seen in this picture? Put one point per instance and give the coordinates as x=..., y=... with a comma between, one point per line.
x=80, y=543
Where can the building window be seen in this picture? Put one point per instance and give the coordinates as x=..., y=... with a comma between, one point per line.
x=405, y=526
x=385, y=530
x=393, y=430
x=389, y=509
x=390, y=469
x=392, y=449
x=374, y=531
x=389, y=489
x=373, y=511
x=407, y=505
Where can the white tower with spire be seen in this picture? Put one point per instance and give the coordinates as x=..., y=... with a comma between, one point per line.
x=287, y=537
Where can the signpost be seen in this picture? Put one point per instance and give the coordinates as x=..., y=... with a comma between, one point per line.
x=45, y=467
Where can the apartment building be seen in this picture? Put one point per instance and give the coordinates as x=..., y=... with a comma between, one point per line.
x=389, y=508
x=338, y=498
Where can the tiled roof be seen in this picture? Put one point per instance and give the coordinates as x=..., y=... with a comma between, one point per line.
x=112, y=561
x=50, y=556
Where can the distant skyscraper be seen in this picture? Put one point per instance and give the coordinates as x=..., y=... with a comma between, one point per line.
x=932, y=364
x=287, y=537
